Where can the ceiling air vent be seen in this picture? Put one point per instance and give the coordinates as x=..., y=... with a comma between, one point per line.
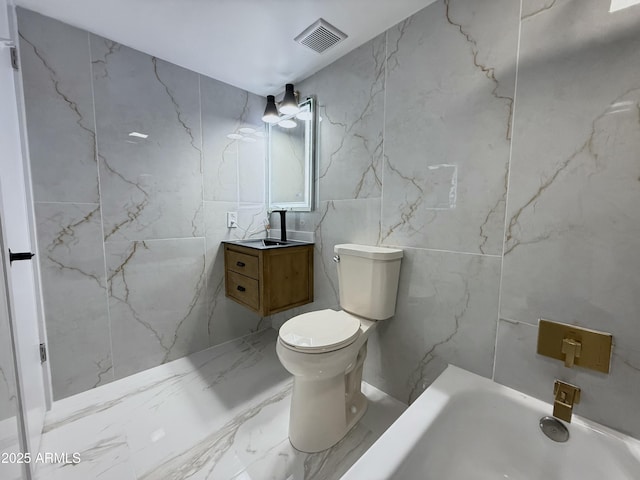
x=320, y=36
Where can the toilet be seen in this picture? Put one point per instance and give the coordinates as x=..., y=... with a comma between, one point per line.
x=325, y=349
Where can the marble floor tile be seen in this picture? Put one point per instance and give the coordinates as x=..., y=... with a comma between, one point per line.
x=103, y=453
x=221, y=413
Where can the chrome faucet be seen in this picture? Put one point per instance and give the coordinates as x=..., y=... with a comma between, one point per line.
x=565, y=397
x=283, y=224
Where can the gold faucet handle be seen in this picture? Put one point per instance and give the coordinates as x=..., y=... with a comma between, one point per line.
x=571, y=349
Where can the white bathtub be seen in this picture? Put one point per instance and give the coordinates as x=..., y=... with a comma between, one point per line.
x=467, y=427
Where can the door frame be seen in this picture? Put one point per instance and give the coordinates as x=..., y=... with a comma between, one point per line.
x=5, y=282
x=29, y=204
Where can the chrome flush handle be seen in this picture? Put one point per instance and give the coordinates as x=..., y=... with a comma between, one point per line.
x=336, y=258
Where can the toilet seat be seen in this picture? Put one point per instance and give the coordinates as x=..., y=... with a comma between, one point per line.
x=321, y=331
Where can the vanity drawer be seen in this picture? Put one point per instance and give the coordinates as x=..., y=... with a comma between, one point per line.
x=242, y=263
x=269, y=280
x=243, y=289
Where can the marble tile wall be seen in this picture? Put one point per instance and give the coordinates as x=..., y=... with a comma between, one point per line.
x=450, y=88
x=129, y=228
x=496, y=143
x=350, y=95
x=573, y=224
x=436, y=186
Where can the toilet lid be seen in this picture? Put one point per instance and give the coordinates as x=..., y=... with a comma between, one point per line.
x=321, y=331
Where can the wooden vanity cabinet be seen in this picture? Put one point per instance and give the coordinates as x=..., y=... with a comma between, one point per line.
x=269, y=280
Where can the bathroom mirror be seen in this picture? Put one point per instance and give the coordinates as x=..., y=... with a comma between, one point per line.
x=291, y=159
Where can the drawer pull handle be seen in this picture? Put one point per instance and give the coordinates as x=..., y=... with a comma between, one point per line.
x=241, y=288
x=240, y=264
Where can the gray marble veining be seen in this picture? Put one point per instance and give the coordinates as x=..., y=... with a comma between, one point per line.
x=540, y=183
x=446, y=311
x=54, y=59
x=206, y=454
x=572, y=232
x=226, y=109
x=150, y=187
x=156, y=301
x=137, y=175
x=210, y=366
x=284, y=461
x=221, y=413
x=75, y=301
x=512, y=203
x=351, y=107
x=448, y=129
x=341, y=221
x=227, y=319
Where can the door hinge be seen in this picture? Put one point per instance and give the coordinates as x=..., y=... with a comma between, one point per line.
x=43, y=353
x=14, y=58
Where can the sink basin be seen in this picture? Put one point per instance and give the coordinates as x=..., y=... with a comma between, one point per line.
x=263, y=243
x=274, y=243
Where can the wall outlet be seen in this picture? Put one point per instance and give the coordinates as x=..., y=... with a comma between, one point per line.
x=232, y=219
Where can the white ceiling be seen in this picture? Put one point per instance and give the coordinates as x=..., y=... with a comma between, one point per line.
x=247, y=43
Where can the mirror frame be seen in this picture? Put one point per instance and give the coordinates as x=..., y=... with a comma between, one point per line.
x=311, y=151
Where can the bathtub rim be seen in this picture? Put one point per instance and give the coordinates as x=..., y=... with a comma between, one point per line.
x=385, y=457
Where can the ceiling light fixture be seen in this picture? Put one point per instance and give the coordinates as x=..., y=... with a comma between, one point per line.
x=289, y=105
x=271, y=111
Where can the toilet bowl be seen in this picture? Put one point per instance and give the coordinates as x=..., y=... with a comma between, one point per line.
x=326, y=400
x=325, y=350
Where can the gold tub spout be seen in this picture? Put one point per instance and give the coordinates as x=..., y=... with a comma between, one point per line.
x=566, y=396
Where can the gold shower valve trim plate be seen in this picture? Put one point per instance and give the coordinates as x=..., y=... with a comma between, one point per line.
x=575, y=345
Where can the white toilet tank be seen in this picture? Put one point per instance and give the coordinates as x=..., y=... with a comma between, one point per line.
x=368, y=279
